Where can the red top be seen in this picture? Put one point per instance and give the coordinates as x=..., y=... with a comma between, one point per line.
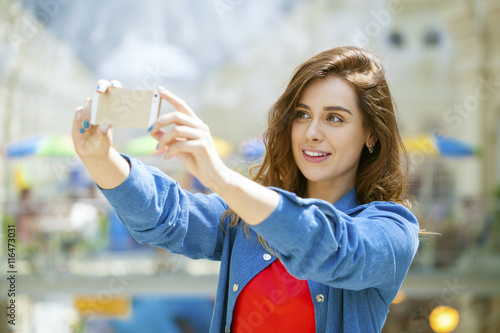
x=274, y=301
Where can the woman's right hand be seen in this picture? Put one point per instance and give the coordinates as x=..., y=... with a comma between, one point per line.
x=93, y=144
x=92, y=141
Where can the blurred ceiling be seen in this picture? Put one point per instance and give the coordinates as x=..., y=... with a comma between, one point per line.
x=121, y=39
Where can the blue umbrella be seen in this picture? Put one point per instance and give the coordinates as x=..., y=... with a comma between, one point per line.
x=253, y=149
x=452, y=147
x=438, y=144
x=41, y=145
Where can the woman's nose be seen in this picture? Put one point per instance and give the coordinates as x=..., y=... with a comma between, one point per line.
x=314, y=132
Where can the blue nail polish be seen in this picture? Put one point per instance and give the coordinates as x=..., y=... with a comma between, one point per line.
x=150, y=128
x=82, y=130
x=158, y=147
x=86, y=124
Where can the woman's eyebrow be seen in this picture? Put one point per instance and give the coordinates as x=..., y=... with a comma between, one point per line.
x=336, y=108
x=326, y=108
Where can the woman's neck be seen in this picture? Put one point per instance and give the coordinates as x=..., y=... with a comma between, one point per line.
x=326, y=191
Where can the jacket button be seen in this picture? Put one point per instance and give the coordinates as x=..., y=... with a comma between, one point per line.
x=320, y=298
x=235, y=287
x=266, y=256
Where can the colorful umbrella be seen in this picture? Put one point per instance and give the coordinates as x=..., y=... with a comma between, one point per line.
x=253, y=149
x=146, y=145
x=41, y=145
x=436, y=144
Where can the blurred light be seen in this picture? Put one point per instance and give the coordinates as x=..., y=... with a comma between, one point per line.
x=443, y=319
x=400, y=297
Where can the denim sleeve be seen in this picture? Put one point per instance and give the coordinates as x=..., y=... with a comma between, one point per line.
x=157, y=211
x=372, y=247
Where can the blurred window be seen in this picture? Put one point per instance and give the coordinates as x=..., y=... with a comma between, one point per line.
x=396, y=39
x=432, y=38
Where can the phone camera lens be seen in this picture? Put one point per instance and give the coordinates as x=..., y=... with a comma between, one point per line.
x=156, y=95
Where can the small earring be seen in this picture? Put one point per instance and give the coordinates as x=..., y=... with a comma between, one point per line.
x=370, y=149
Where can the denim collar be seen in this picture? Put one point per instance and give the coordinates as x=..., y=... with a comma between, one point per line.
x=348, y=201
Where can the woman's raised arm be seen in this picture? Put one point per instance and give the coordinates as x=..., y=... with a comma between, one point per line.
x=190, y=140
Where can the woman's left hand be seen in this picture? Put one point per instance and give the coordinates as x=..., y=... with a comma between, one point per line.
x=190, y=140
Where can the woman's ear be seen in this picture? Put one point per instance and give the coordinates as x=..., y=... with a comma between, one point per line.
x=371, y=140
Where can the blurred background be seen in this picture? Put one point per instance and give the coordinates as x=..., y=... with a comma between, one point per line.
x=77, y=268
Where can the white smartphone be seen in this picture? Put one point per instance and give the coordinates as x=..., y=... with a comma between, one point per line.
x=125, y=108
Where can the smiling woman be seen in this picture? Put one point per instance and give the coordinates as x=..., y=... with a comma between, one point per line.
x=319, y=240
x=352, y=79
x=327, y=138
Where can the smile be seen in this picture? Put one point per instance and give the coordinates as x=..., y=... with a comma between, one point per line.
x=314, y=154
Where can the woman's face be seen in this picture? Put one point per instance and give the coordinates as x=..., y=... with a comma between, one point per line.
x=328, y=134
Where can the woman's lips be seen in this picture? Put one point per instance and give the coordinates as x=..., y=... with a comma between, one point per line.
x=315, y=156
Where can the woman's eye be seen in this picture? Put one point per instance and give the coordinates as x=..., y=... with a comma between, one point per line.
x=334, y=118
x=300, y=115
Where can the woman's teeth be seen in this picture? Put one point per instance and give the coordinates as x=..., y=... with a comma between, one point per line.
x=315, y=154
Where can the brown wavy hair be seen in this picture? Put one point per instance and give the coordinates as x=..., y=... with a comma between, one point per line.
x=382, y=175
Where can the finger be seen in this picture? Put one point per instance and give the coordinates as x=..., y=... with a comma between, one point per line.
x=104, y=129
x=176, y=102
x=102, y=86
x=179, y=133
x=115, y=84
x=77, y=120
x=189, y=146
x=85, y=126
x=177, y=118
x=81, y=121
x=87, y=106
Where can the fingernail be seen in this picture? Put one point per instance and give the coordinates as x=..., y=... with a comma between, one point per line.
x=162, y=89
x=82, y=130
x=86, y=124
x=150, y=128
x=101, y=88
x=104, y=129
x=158, y=147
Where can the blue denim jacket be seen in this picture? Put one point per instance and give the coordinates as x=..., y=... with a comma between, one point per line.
x=353, y=256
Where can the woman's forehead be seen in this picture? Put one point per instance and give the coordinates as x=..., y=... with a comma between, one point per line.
x=330, y=92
